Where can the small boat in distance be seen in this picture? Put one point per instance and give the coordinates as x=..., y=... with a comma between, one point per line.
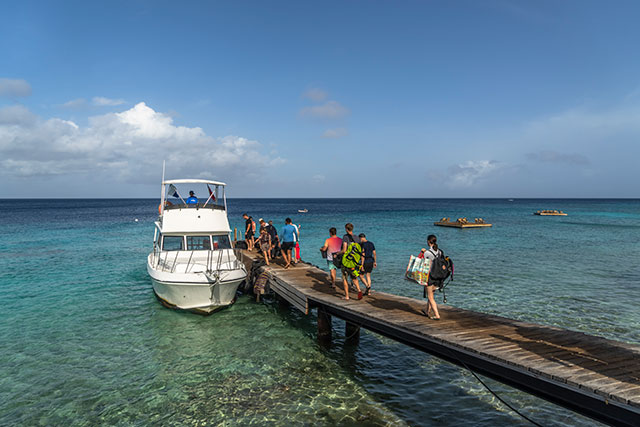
x=303, y=210
x=548, y=212
x=193, y=265
x=462, y=223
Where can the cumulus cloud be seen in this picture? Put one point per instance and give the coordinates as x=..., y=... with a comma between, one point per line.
x=14, y=87
x=469, y=173
x=16, y=115
x=327, y=110
x=549, y=156
x=101, y=101
x=315, y=94
x=335, y=133
x=129, y=145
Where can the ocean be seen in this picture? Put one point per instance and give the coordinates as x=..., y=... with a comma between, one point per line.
x=85, y=342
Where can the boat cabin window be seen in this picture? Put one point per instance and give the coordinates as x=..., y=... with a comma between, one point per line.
x=172, y=243
x=198, y=243
x=221, y=242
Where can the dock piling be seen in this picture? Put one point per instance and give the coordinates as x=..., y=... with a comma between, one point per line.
x=324, y=327
x=352, y=333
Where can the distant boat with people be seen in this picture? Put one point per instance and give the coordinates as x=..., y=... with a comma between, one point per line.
x=193, y=265
x=548, y=212
x=303, y=210
x=462, y=223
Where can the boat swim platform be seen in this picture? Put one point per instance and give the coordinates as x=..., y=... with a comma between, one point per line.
x=591, y=375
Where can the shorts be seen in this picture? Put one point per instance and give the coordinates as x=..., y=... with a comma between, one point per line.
x=368, y=267
x=331, y=265
x=347, y=272
x=287, y=246
x=248, y=235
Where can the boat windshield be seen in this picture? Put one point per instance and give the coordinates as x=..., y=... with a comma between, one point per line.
x=198, y=243
x=195, y=243
x=172, y=243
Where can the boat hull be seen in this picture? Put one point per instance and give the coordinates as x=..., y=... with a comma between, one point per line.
x=195, y=292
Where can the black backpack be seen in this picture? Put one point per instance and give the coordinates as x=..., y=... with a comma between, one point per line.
x=441, y=269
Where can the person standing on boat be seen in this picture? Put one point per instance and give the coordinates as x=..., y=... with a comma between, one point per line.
x=289, y=237
x=370, y=261
x=192, y=199
x=332, y=245
x=249, y=231
x=431, y=254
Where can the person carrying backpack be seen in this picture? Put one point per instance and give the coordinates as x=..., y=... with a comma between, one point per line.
x=351, y=260
x=431, y=254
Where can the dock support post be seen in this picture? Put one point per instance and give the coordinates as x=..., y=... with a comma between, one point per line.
x=352, y=333
x=235, y=234
x=324, y=328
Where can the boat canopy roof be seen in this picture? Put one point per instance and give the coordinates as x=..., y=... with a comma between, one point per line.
x=192, y=181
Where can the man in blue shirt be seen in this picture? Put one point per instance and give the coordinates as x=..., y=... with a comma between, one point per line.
x=192, y=199
x=289, y=236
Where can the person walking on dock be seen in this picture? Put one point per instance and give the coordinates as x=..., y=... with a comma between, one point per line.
x=332, y=246
x=264, y=241
x=289, y=236
x=274, y=239
x=249, y=231
x=370, y=261
x=350, y=271
x=431, y=254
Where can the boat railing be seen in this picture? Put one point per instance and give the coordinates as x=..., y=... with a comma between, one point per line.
x=213, y=260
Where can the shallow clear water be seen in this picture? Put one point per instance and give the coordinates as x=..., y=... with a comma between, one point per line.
x=86, y=342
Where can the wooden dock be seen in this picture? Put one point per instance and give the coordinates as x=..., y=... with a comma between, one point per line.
x=594, y=376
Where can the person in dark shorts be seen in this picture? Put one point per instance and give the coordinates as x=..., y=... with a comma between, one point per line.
x=275, y=244
x=370, y=261
x=347, y=239
x=249, y=231
x=289, y=236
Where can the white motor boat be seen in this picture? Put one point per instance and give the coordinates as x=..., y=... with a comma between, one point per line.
x=193, y=265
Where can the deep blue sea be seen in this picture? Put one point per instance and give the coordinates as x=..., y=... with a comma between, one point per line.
x=85, y=342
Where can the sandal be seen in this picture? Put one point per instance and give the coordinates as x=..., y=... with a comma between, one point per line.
x=368, y=291
x=434, y=318
x=359, y=295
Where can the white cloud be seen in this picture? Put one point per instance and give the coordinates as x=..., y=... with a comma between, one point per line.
x=469, y=173
x=14, y=88
x=16, y=115
x=129, y=145
x=328, y=110
x=315, y=94
x=101, y=101
x=318, y=179
x=335, y=133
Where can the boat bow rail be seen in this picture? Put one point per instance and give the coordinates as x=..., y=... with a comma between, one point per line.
x=197, y=261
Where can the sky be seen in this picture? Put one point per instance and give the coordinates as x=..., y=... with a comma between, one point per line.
x=485, y=98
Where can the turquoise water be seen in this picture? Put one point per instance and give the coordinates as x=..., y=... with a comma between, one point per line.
x=85, y=342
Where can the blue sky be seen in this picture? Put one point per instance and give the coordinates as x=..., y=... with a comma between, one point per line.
x=325, y=99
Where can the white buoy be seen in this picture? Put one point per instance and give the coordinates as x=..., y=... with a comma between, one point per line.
x=136, y=220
